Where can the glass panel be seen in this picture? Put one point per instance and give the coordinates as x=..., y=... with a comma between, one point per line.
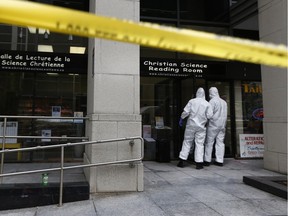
x=157, y=112
x=159, y=8
x=58, y=90
x=210, y=29
x=156, y=99
x=248, y=109
x=205, y=10
x=36, y=93
x=28, y=39
x=187, y=93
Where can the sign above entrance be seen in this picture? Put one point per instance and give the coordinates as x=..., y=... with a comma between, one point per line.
x=175, y=68
x=42, y=62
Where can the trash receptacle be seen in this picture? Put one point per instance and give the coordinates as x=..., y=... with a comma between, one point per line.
x=149, y=149
x=163, y=150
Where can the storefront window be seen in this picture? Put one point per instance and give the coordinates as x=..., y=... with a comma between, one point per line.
x=35, y=94
x=24, y=38
x=158, y=112
x=44, y=73
x=43, y=94
x=165, y=88
x=249, y=118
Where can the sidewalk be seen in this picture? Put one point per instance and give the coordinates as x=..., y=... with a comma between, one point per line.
x=173, y=191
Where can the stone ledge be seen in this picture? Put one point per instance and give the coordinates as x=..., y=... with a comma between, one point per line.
x=115, y=117
x=276, y=185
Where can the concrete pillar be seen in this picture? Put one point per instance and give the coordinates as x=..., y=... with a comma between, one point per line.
x=113, y=104
x=273, y=28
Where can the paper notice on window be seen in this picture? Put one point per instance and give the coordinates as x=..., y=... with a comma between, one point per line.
x=159, y=121
x=146, y=131
x=11, y=130
x=56, y=111
x=46, y=133
x=251, y=145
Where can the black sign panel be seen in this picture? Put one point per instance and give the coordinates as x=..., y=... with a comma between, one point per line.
x=42, y=62
x=180, y=68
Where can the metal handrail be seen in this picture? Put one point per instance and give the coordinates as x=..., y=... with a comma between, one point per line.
x=41, y=117
x=4, y=136
x=62, y=146
x=62, y=167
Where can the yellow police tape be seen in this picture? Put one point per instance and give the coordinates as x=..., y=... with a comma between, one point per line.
x=62, y=20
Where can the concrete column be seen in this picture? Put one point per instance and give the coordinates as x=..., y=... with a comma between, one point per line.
x=273, y=28
x=113, y=104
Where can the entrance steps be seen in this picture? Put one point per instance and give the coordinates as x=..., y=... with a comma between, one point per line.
x=23, y=191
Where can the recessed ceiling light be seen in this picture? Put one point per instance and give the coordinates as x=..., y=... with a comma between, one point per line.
x=77, y=50
x=45, y=48
x=32, y=30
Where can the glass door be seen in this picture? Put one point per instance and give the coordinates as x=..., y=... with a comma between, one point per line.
x=157, y=110
x=162, y=101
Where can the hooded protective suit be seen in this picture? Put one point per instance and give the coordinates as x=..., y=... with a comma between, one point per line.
x=216, y=127
x=199, y=111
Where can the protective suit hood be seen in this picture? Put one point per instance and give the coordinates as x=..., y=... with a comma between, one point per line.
x=213, y=92
x=200, y=93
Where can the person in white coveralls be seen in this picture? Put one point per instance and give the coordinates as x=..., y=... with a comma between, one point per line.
x=198, y=111
x=216, y=129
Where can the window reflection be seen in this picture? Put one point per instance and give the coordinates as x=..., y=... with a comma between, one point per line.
x=29, y=38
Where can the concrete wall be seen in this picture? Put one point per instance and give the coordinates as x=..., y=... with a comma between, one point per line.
x=113, y=104
x=273, y=28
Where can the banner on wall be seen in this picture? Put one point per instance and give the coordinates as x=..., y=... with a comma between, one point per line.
x=251, y=145
x=42, y=62
x=180, y=68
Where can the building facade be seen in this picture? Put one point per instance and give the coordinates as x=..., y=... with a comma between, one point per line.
x=126, y=90
x=273, y=28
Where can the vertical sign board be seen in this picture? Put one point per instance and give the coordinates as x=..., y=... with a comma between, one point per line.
x=251, y=145
x=11, y=130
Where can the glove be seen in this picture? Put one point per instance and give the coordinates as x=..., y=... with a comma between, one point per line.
x=180, y=122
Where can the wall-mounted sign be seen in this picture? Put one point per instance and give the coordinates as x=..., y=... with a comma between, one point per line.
x=178, y=68
x=251, y=145
x=42, y=62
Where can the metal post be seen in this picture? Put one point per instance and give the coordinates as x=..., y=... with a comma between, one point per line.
x=61, y=177
x=3, y=148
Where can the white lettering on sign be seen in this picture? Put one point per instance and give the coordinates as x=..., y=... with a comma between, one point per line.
x=174, y=67
x=161, y=64
x=192, y=65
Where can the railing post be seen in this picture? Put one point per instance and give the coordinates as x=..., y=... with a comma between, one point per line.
x=61, y=177
x=3, y=148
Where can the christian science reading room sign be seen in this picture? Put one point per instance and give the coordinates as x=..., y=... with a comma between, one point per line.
x=42, y=62
x=177, y=68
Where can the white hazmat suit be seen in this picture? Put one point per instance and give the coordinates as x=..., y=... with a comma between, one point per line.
x=199, y=111
x=216, y=128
